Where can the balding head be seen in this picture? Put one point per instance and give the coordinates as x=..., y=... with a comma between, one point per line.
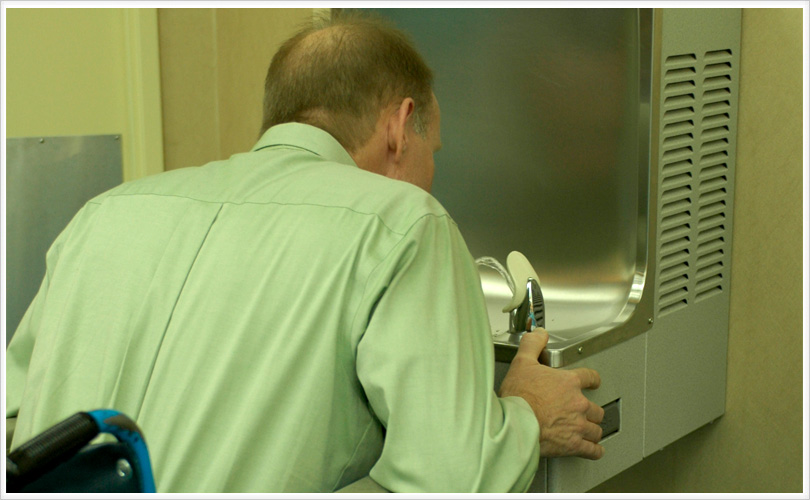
x=339, y=74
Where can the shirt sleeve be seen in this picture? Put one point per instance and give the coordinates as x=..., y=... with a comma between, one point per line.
x=21, y=346
x=19, y=350
x=426, y=363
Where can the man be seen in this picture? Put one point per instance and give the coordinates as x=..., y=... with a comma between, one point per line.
x=297, y=317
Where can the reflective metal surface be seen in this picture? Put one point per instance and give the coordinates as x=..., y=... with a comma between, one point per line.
x=48, y=179
x=545, y=132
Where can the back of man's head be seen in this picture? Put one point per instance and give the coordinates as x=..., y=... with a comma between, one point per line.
x=339, y=73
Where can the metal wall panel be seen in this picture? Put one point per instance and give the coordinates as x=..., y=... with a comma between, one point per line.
x=698, y=52
x=545, y=132
x=48, y=179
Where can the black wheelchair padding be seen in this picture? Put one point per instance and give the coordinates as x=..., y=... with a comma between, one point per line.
x=99, y=468
x=48, y=449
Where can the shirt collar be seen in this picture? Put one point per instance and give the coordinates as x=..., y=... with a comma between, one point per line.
x=307, y=137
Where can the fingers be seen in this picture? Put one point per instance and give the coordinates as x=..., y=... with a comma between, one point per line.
x=588, y=379
x=591, y=451
x=578, y=439
x=592, y=433
x=532, y=344
x=594, y=413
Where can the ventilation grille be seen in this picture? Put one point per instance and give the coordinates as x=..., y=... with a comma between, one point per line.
x=694, y=178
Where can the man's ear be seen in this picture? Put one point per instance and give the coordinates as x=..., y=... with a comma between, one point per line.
x=397, y=129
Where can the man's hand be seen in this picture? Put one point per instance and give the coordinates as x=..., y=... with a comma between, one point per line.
x=568, y=421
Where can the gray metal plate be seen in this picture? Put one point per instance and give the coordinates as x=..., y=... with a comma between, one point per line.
x=48, y=180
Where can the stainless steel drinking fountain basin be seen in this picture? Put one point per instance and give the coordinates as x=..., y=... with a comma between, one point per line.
x=580, y=320
x=546, y=150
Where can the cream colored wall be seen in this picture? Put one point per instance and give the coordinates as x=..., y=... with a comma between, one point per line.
x=213, y=66
x=757, y=445
x=86, y=72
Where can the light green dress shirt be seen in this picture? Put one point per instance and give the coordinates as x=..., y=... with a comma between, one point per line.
x=279, y=321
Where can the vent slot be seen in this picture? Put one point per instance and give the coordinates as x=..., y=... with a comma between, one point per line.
x=710, y=258
x=676, y=180
x=714, y=120
x=694, y=177
x=674, y=246
x=710, y=247
x=709, y=287
x=679, y=127
x=679, y=100
x=679, y=153
x=675, y=259
x=678, y=167
x=681, y=59
x=713, y=183
x=678, y=140
x=675, y=232
x=712, y=196
x=673, y=301
x=716, y=132
x=711, y=221
x=713, y=178
x=676, y=270
x=713, y=69
x=674, y=284
x=679, y=74
x=713, y=158
x=679, y=114
x=716, y=107
x=679, y=87
x=709, y=271
x=712, y=209
x=713, y=171
x=717, y=55
x=713, y=145
x=677, y=193
x=709, y=234
x=676, y=206
x=676, y=219
x=716, y=81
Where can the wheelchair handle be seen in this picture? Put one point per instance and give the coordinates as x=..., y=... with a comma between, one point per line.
x=51, y=447
x=63, y=440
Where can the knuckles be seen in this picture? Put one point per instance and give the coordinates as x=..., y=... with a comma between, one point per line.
x=581, y=404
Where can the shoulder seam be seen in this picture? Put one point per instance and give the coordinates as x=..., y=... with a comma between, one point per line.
x=222, y=203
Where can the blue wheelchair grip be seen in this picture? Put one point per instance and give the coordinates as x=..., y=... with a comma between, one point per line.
x=125, y=430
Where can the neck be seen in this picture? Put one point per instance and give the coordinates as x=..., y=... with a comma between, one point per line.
x=371, y=156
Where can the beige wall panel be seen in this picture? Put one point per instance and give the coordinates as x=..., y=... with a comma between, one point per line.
x=757, y=445
x=247, y=40
x=188, y=81
x=766, y=306
x=213, y=66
